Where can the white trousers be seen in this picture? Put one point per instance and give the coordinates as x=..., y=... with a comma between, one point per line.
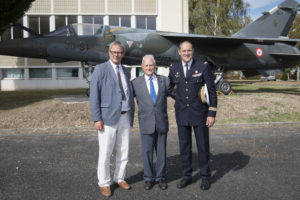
x=113, y=136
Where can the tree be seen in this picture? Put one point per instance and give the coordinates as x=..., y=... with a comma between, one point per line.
x=217, y=17
x=12, y=10
x=295, y=33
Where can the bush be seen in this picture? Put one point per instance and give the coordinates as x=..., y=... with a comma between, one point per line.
x=284, y=77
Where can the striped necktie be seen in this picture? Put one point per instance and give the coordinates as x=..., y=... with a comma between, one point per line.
x=120, y=83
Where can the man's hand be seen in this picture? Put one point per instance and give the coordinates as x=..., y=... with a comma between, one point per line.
x=210, y=121
x=99, y=125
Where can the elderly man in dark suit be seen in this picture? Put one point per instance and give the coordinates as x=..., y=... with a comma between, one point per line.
x=112, y=109
x=186, y=79
x=151, y=95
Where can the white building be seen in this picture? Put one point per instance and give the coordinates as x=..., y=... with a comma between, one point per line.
x=18, y=73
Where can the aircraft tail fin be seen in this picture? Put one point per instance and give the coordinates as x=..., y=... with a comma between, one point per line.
x=273, y=24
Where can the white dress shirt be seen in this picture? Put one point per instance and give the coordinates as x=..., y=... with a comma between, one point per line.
x=184, y=67
x=125, y=103
x=154, y=80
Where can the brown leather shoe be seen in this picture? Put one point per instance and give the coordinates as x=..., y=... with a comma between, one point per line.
x=124, y=185
x=105, y=191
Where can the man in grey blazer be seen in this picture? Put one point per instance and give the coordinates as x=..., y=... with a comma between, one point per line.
x=150, y=91
x=112, y=109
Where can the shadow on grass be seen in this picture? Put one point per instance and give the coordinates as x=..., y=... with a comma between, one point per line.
x=221, y=164
x=15, y=99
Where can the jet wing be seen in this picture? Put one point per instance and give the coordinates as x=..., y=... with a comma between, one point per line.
x=287, y=57
x=225, y=40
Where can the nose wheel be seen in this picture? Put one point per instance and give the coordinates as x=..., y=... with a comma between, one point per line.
x=222, y=85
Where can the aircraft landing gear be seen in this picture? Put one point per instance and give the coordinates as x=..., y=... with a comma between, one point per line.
x=222, y=85
x=87, y=77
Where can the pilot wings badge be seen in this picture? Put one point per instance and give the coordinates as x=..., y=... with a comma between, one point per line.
x=203, y=94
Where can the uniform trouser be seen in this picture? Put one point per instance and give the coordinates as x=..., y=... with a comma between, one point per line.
x=113, y=136
x=185, y=143
x=151, y=142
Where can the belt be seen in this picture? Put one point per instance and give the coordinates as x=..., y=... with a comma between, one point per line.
x=123, y=112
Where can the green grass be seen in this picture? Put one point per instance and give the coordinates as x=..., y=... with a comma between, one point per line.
x=263, y=113
x=261, y=108
x=14, y=99
x=262, y=87
x=272, y=117
x=275, y=117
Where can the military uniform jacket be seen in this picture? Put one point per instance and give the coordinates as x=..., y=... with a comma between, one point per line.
x=189, y=109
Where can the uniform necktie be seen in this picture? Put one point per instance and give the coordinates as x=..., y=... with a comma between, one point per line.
x=186, y=70
x=120, y=83
x=152, y=90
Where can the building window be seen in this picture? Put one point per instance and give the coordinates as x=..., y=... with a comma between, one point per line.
x=40, y=73
x=124, y=20
x=92, y=19
x=64, y=20
x=39, y=24
x=114, y=20
x=67, y=72
x=141, y=22
x=146, y=22
x=151, y=22
x=13, y=73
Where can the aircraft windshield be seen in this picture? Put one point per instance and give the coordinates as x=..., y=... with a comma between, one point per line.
x=78, y=29
x=87, y=29
x=62, y=31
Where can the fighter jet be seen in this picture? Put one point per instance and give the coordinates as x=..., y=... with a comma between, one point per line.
x=261, y=46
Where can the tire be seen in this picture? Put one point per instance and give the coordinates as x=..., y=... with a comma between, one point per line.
x=224, y=87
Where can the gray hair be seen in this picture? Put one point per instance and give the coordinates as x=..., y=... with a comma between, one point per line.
x=149, y=56
x=116, y=43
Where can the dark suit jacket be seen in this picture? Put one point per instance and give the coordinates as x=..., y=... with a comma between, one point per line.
x=152, y=116
x=189, y=109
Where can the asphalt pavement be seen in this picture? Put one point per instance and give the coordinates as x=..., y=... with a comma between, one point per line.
x=248, y=162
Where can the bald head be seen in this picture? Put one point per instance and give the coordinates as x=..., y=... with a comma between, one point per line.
x=186, y=51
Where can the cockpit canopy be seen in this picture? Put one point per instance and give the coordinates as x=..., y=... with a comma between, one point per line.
x=78, y=29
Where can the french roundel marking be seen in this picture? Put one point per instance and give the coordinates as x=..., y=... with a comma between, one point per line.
x=259, y=52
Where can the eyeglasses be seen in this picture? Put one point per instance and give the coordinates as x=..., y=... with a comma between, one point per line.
x=116, y=52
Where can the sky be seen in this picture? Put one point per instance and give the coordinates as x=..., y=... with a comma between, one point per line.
x=258, y=6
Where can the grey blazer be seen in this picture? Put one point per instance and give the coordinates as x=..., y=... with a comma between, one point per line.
x=105, y=95
x=152, y=116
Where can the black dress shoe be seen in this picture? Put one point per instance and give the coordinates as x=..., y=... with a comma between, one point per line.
x=205, y=184
x=148, y=185
x=184, y=182
x=163, y=184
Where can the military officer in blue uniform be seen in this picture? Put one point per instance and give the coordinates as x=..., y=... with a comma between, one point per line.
x=186, y=79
